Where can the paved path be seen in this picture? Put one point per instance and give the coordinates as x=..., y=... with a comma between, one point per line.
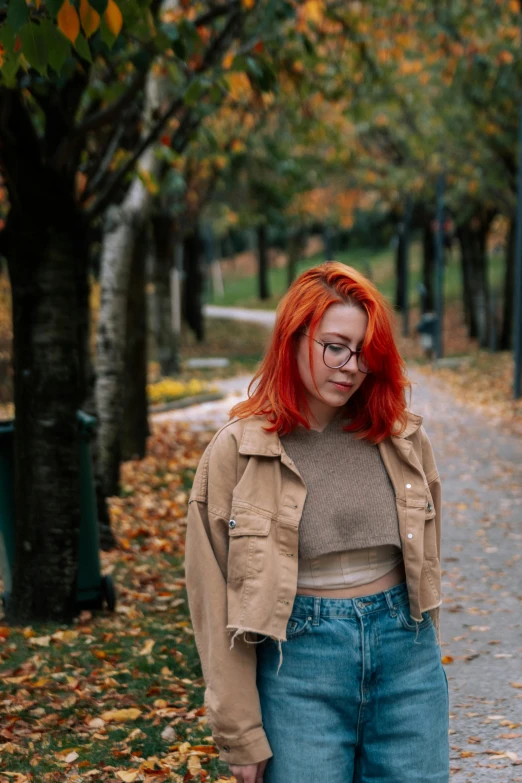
x=481, y=620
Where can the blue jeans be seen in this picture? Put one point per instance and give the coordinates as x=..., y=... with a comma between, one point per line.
x=361, y=695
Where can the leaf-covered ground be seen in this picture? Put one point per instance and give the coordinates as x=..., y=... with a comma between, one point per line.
x=117, y=697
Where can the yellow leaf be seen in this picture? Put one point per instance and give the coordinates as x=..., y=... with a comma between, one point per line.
x=121, y=715
x=194, y=765
x=41, y=641
x=147, y=647
x=113, y=17
x=127, y=777
x=314, y=11
x=90, y=18
x=68, y=21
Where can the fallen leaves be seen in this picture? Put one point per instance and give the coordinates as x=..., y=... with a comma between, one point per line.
x=116, y=684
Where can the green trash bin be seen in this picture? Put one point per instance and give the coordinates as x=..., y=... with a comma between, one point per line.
x=92, y=589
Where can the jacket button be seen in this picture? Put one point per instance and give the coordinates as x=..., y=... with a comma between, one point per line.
x=410, y=535
x=232, y=523
x=408, y=486
x=226, y=747
x=428, y=505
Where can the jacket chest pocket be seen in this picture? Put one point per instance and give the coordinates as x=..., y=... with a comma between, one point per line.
x=247, y=543
x=430, y=533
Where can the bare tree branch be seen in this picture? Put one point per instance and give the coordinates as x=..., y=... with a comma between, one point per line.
x=210, y=57
x=112, y=112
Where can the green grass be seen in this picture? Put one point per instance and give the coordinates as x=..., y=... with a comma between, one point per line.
x=241, y=290
x=120, y=679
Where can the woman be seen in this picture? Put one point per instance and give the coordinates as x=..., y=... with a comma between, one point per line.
x=314, y=520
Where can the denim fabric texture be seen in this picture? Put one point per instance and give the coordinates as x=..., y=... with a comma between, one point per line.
x=361, y=696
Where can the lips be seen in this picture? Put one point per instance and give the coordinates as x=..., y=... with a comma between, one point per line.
x=344, y=385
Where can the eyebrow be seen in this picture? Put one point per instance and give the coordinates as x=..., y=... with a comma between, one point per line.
x=342, y=336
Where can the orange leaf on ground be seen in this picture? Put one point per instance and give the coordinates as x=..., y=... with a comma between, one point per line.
x=121, y=715
x=68, y=21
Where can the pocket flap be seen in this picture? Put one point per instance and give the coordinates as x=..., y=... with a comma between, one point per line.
x=244, y=522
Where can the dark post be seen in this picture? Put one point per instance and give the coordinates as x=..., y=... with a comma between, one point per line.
x=439, y=265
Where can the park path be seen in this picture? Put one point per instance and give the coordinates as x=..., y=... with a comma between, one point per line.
x=480, y=463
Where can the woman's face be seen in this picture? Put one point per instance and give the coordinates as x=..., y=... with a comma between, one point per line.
x=344, y=324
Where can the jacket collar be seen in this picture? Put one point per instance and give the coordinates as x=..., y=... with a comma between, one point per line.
x=257, y=441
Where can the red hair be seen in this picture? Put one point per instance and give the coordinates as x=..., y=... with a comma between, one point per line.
x=280, y=394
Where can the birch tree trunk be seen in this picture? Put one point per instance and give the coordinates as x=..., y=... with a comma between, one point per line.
x=135, y=429
x=122, y=227
x=166, y=339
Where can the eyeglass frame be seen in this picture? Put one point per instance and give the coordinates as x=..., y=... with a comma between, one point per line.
x=352, y=352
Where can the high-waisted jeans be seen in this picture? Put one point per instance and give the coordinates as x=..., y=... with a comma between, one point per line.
x=361, y=695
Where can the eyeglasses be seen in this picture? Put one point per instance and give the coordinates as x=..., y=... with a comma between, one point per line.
x=336, y=355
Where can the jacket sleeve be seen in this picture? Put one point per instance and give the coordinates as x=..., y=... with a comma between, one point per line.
x=432, y=477
x=231, y=696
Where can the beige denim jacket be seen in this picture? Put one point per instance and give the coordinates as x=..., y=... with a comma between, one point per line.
x=241, y=560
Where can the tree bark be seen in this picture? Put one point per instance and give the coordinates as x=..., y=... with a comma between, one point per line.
x=295, y=249
x=466, y=264
x=472, y=236
x=428, y=266
x=47, y=394
x=506, y=336
x=167, y=344
x=193, y=288
x=400, y=266
x=262, y=259
x=44, y=243
x=135, y=430
x=123, y=225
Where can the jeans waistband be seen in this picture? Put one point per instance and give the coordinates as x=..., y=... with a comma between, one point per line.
x=318, y=606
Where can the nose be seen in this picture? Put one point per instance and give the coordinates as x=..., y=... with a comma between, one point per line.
x=351, y=365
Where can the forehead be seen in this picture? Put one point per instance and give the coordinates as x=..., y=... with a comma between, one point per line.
x=346, y=320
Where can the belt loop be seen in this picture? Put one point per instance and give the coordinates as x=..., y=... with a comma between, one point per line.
x=391, y=605
x=317, y=609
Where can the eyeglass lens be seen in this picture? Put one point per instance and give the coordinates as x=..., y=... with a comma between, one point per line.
x=336, y=355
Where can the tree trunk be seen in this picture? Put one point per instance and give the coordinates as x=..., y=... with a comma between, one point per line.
x=400, y=266
x=123, y=224
x=506, y=336
x=135, y=429
x=47, y=393
x=296, y=245
x=167, y=344
x=428, y=267
x=193, y=288
x=472, y=237
x=466, y=262
x=262, y=259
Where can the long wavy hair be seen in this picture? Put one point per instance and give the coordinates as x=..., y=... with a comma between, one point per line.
x=377, y=405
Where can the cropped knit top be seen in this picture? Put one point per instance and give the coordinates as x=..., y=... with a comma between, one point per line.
x=349, y=528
